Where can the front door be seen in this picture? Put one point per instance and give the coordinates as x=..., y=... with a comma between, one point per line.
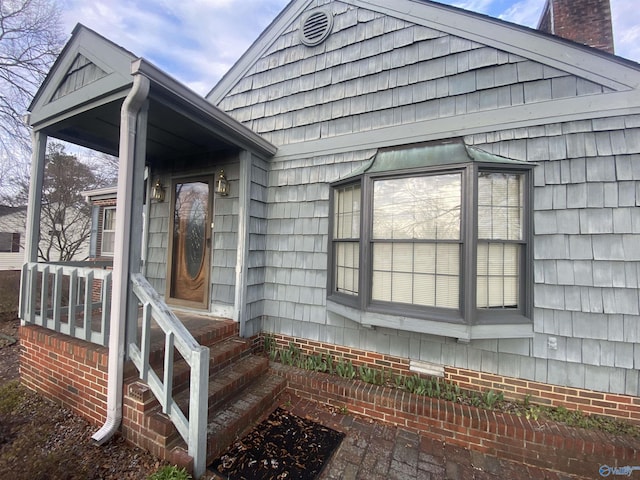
x=190, y=242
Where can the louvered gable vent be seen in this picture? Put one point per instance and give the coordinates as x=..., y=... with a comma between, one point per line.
x=315, y=26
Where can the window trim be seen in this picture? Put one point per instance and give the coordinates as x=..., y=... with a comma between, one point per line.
x=467, y=315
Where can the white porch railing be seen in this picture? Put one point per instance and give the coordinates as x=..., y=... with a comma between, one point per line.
x=194, y=429
x=76, y=301
x=67, y=298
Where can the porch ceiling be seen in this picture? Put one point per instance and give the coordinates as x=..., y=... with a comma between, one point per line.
x=181, y=124
x=171, y=132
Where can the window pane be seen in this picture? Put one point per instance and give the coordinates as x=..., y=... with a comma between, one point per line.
x=500, y=206
x=381, y=286
x=426, y=207
x=347, y=269
x=498, y=276
x=424, y=290
x=382, y=258
x=425, y=258
x=448, y=261
x=401, y=288
x=346, y=215
x=403, y=257
x=108, y=241
x=5, y=241
x=108, y=231
x=109, y=219
x=420, y=274
x=447, y=291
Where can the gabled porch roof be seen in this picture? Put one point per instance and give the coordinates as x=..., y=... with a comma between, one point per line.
x=81, y=98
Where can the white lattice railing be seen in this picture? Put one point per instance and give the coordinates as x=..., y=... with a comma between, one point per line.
x=193, y=429
x=71, y=298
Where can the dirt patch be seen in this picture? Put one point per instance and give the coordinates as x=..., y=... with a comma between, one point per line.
x=39, y=440
x=284, y=446
x=9, y=347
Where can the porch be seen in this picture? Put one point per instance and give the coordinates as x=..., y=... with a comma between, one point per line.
x=182, y=404
x=100, y=96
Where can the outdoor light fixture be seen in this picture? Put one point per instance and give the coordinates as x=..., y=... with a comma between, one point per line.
x=222, y=185
x=157, y=193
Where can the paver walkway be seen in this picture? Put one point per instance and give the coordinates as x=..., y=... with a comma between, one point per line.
x=376, y=451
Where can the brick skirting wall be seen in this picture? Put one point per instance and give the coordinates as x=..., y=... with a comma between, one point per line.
x=621, y=406
x=73, y=373
x=69, y=371
x=545, y=445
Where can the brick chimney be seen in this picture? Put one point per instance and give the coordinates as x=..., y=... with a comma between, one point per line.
x=583, y=21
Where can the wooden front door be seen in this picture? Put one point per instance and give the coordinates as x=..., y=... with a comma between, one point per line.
x=190, y=242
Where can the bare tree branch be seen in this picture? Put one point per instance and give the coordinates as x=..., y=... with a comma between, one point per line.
x=65, y=222
x=30, y=40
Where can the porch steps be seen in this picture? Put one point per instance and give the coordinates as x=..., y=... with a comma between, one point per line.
x=240, y=391
x=221, y=356
x=229, y=423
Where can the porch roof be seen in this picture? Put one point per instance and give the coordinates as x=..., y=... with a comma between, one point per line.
x=81, y=98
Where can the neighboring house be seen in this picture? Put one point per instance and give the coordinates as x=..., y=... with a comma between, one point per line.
x=103, y=222
x=422, y=186
x=12, y=227
x=12, y=236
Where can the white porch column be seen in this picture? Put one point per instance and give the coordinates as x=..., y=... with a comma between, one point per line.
x=34, y=212
x=34, y=207
x=242, y=256
x=135, y=262
x=126, y=256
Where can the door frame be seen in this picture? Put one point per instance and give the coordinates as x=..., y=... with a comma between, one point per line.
x=205, y=304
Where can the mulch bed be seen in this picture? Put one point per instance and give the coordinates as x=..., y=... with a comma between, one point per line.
x=284, y=446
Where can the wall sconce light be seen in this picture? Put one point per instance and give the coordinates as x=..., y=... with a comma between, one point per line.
x=157, y=192
x=222, y=185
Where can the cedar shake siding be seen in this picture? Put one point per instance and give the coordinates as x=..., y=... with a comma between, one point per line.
x=387, y=78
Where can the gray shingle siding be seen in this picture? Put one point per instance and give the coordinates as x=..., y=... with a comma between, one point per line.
x=158, y=241
x=368, y=69
x=375, y=72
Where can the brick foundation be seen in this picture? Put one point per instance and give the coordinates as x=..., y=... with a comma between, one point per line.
x=620, y=406
x=71, y=372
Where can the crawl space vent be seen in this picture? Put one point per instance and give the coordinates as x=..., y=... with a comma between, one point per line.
x=315, y=26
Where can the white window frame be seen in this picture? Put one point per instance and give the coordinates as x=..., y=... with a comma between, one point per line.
x=103, y=252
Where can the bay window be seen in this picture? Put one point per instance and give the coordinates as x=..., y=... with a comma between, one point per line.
x=438, y=233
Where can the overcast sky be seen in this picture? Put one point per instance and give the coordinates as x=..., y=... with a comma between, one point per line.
x=197, y=41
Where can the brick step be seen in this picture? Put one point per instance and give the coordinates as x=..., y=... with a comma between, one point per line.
x=228, y=383
x=221, y=330
x=221, y=355
x=208, y=335
x=228, y=424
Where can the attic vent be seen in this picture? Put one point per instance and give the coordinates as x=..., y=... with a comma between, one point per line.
x=315, y=26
